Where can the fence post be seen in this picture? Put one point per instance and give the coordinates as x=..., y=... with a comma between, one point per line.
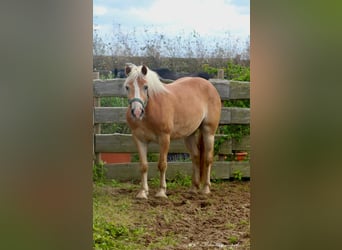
x=96, y=75
x=97, y=127
x=220, y=75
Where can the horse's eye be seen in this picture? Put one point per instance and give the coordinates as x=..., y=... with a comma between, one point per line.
x=127, y=88
x=145, y=87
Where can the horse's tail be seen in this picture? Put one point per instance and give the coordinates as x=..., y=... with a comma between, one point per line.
x=201, y=155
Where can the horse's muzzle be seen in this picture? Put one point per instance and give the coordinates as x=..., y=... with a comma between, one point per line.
x=137, y=113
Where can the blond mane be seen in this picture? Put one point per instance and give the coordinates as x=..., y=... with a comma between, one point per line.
x=155, y=86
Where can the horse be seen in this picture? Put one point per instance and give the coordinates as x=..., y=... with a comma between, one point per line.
x=161, y=112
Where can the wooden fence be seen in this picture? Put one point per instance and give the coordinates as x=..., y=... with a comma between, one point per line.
x=123, y=143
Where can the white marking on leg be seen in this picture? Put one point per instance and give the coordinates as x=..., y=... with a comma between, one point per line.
x=144, y=187
x=142, y=148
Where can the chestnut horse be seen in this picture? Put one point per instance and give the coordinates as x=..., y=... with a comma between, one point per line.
x=161, y=112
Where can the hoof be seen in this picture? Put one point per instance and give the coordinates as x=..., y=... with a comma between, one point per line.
x=206, y=189
x=193, y=190
x=142, y=194
x=161, y=194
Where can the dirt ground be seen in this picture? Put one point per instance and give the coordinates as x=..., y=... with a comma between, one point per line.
x=220, y=220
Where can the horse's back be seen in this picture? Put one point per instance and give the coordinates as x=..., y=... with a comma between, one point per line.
x=197, y=97
x=196, y=89
x=193, y=83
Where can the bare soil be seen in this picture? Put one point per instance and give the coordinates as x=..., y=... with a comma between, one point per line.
x=220, y=220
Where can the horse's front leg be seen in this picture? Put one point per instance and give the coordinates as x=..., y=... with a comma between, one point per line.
x=142, y=149
x=164, y=143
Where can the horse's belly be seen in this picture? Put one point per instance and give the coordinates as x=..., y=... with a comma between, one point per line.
x=186, y=127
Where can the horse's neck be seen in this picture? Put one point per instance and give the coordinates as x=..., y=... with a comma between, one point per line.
x=159, y=98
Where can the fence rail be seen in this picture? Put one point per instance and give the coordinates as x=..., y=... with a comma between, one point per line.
x=123, y=143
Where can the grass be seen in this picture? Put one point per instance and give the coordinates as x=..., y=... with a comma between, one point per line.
x=233, y=239
x=122, y=222
x=116, y=228
x=180, y=179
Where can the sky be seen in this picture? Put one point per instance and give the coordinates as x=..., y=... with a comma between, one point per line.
x=209, y=18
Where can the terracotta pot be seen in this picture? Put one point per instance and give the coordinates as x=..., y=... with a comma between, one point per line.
x=116, y=157
x=240, y=156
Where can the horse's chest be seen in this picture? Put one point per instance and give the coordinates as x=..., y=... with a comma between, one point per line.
x=145, y=134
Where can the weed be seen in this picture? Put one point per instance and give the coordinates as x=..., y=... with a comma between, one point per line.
x=115, y=183
x=237, y=175
x=99, y=173
x=233, y=240
x=111, y=236
x=215, y=179
x=181, y=179
x=154, y=182
x=243, y=222
x=230, y=225
x=164, y=242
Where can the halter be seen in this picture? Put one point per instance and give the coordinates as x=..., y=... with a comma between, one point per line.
x=144, y=104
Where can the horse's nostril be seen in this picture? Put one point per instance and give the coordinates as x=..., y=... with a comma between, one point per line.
x=132, y=112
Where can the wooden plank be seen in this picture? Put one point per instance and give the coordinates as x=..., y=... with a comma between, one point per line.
x=131, y=171
x=222, y=87
x=232, y=115
x=242, y=167
x=123, y=143
x=110, y=115
x=239, y=90
x=244, y=144
x=227, y=89
x=226, y=146
x=112, y=87
x=229, y=115
x=238, y=115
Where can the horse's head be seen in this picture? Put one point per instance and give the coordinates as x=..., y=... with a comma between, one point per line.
x=137, y=89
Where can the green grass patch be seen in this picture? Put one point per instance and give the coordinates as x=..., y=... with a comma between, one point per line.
x=180, y=180
x=116, y=223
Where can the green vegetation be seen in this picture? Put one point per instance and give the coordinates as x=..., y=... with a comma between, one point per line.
x=117, y=226
x=237, y=72
x=232, y=71
x=180, y=180
x=99, y=173
x=110, y=236
x=233, y=239
x=112, y=226
x=111, y=128
x=237, y=175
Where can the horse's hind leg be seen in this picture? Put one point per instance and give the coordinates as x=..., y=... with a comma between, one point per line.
x=191, y=144
x=164, y=143
x=208, y=141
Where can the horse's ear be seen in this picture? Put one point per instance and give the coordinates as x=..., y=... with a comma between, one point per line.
x=127, y=69
x=144, y=70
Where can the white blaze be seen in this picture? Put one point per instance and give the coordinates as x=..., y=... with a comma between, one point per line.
x=136, y=106
x=136, y=90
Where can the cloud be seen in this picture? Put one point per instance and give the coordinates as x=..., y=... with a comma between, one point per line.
x=99, y=10
x=204, y=16
x=207, y=17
